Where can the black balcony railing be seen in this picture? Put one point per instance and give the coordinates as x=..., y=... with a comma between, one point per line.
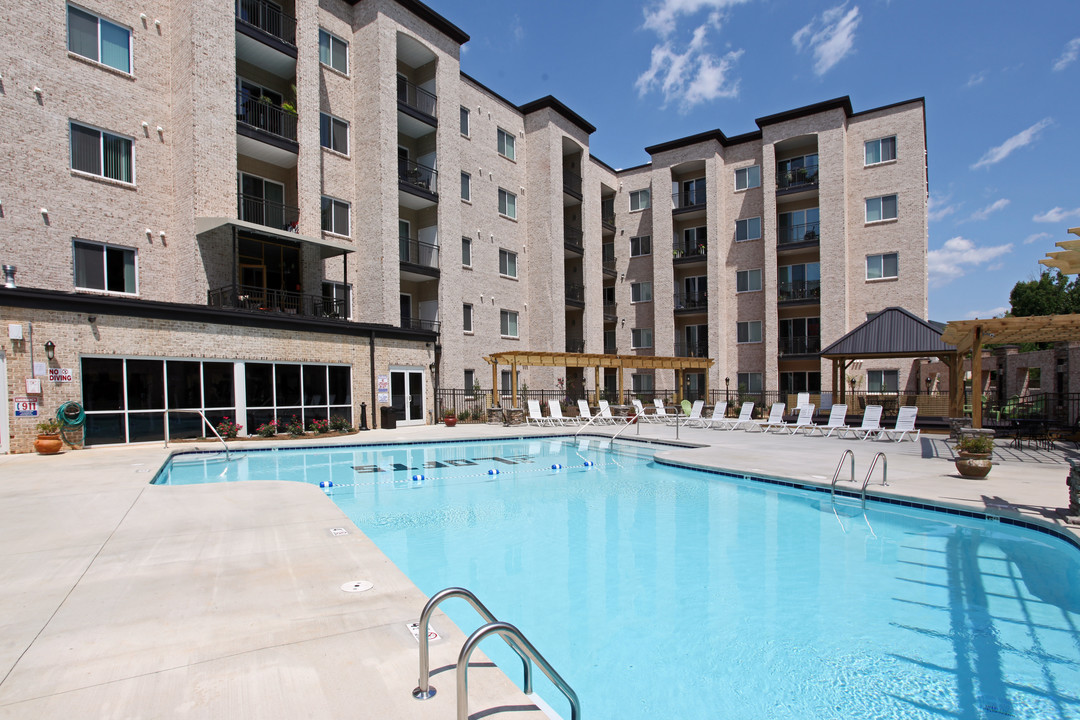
x=419, y=176
x=418, y=253
x=682, y=250
x=575, y=293
x=607, y=217
x=265, y=116
x=259, y=299
x=610, y=311
x=571, y=181
x=693, y=350
x=411, y=323
x=268, y=213
x=608, y=265
x=691, y=301
x=800, y=345
x=574, y=237
x=796, y=178
x=416, y=97
x=688, y=199
x=807, y=232
x=575, y=346
x=268, y=18
x=801, y=290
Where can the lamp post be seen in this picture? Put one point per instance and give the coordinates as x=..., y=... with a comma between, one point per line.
x=727, y=389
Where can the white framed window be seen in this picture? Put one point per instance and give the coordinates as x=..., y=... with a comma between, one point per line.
x=748, y=177
x=748, y=229
x=334, y=133
x=640, y=200
x=749, y=382
x=880, y=150
x=97, y=39
x=881, y=266
x=882, y=381
x=642, y=384
x=641, y=245
x=108, y=268
x=335, y=216
x=333, y=51
x=466, y=187
x=506, y=144
x=466, y=251
x=466, y=317
x=507, y=263
x=640, y=338
x=337, y=299
x=470, y=381
x=881, y=208
x=101, y=153
x=464, y=122
x=508, y=323
x=748, y=280
x=507, y=204
x=748, y=332
x=641, y=292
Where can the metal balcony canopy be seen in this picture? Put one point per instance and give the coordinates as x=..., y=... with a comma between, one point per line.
x=327, y=247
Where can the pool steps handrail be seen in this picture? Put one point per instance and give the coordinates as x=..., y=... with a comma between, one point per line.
x=866, y=481
x=630, y=420
x=203, y=416
x=839, y=467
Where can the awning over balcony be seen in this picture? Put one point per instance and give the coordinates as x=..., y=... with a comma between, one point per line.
x=327, y=248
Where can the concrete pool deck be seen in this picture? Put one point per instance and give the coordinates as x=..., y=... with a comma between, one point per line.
x=124, y=600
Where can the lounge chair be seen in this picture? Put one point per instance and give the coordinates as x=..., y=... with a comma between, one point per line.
x=719, y=410
x=555, y=414
x=639, y=410
x=775, y=420
x=604, y=414
x=802, y=399
x=871, y=423
x=746, y=413
x=837, y=421
x=804, y=420
x=660, y=414
x=585, y=413
x=536, y=416
x=690, y=412
x=905, y=425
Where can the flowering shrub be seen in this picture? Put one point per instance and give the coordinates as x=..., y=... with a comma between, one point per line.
x=269, y=429
x=295, y=426
x=319, y=426
x=228, y=428
x=340, y=424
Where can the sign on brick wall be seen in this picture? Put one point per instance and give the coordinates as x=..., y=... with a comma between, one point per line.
x=25, y=407
x=59, y=375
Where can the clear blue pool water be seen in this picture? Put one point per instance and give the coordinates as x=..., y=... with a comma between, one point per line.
x=661, y=592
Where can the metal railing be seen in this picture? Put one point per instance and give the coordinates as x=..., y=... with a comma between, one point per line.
x=807, y=232
x=799, y=290
x=260, y=299
x=201, y=414
x=574, y=237
x=411, y=323
x=804, y=177
x=607, y=217
x=268, y=213
x=691, y=301
x=418, y=176
x=692, y=350
x=263, y=115
x=610, y=308
x=418, y=253
x=681, y=250
x=688, y=199
x=571, y=181
x=268, y=18
x=609, y=268
x=799, y=345
x=575, y=293
x=416, y=97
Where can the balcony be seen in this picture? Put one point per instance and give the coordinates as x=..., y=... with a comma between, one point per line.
x=417, y=103
x=610, y=349
x=267, y=213
x=610, y=311
x=805, y=235
x=808, y=345
x=575, y=346
x=420, y=260
x=571, y=183
x=260, y=299
x=419, y=181
x=689, y=253
x=607, y=215
x=690, y=202
x=608, y=265
x=575, y=295
x=259, y=119
x=796, y=179
x=692, y=350
x=573, y=240
x=411, y=323
x=268, y=19
x=689, y=303
x=799, y=292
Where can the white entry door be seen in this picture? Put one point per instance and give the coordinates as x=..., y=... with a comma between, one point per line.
x=407, y=395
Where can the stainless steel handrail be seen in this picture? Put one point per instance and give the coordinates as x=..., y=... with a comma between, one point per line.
x=839, y=467
x=424, y=690
x=203, y=416
x=630, y=420
x=884, y=473
x=518, y=641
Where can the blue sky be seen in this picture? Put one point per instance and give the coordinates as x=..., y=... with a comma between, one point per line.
x=1001, y=82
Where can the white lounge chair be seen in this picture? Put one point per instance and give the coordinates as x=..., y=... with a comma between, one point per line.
x=802, y=399
x=905, y=425
x=719, y=410
x=605, y=415
x=746, y=413
x=555, y=414
x=585, y=413
x=660, y=414
x=804, y=420
x=775, y=420
x=837, y=421
x=871, y=423
x=639, y=410
x=694, y=413
x=536, y=416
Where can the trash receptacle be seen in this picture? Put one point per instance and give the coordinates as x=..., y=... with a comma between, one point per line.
x=387, y=421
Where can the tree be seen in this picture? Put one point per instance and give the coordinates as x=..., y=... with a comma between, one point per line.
x=1051, y=294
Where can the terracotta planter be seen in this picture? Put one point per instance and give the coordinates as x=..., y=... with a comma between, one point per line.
x=973, y=465
x=48, y=444
x=450, y=421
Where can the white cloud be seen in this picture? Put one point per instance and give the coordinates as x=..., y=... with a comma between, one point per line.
x=517, y=29
x=1068, y=55
x=997, y=154
x=977, y=79
x=1037, y=237
x=989, y=209
x=1056, y=215
x=986, y=314
x=692, y=76
x=663, y=16
x=938, y=208
x=957, y=255
x=831, y=36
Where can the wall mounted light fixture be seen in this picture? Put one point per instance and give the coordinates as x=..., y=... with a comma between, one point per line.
x=50, y=350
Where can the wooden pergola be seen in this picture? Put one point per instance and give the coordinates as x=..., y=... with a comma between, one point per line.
x=1067, y=260
x=526, y=358
x=970, y=336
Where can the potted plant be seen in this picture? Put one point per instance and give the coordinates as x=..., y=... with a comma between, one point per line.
x=974, y=455
x=48, y=440
x=449, y=417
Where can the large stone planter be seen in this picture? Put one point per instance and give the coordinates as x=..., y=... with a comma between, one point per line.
x=974, y=465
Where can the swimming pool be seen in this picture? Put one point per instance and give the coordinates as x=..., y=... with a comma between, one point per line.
x=659, y=591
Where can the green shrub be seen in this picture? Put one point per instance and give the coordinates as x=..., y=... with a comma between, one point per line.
x=976, y=444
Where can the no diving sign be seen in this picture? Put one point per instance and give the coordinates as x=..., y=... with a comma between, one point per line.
x=414, y=628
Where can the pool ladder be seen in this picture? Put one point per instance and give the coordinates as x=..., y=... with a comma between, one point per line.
x=510, y=634
x=873, y=463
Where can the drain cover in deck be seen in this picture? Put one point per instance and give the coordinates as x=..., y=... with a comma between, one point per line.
x=357, y=586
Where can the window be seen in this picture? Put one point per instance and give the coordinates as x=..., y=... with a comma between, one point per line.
x=105, y=267
x=508, y=323
x=881, y=208
x=507, y=263
x=641, y=292
x=99, y=40
x=746, y=178
x=466, y=317
x=470, y=381
x=879, y=151
x=749, y=382
x=334, y=133
x=504, y=382
x=639, y=200
x=466, y=251
x=798, y=226
x=747, y=280
x=693, y=192
x=465, y=121
x=749, y=332
x=881, y=266
x=337, y=299
x=335, y=216
x=797, y=382
x=640, y=338
x=466, y=187
x=748, y=229
x=641, y=246
x=1034, y=378
x=101, y=153
x=333, y=51
x=882, y=381
x=506, y=144
x=799, y=336
x=507, y=204
x=642, y=384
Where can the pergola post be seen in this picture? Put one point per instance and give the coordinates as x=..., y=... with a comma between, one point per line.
x=706, y=385
x=955, y=364
x=620, y=371
x=976, y=379
x=838, y=395
x=513, y=385
x=494, y=383
x=596, y=385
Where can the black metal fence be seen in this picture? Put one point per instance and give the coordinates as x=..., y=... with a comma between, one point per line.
x=416, y=97
x=260, y=299
x=267, y=18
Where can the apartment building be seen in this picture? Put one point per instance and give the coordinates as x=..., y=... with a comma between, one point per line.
x=261, y=210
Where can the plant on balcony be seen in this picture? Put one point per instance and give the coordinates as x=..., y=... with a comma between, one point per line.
x=319, y=426
x=294, y=426
x=266, y=430
x=228, y=428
